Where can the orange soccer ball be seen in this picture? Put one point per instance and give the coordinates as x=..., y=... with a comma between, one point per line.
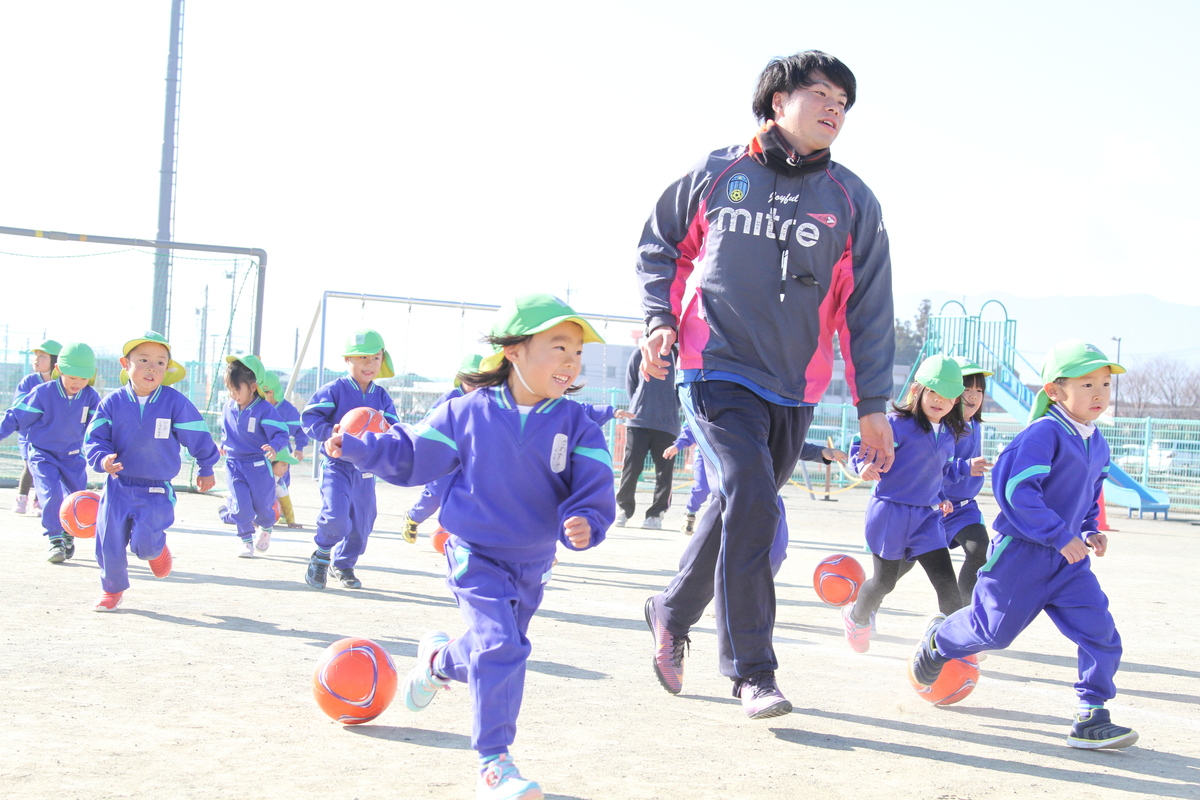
x=438, y=540
x=358, y=421
x=78, y=514
x=278, y=510
x=837, y=579
x=957, y=680
x=355, y=681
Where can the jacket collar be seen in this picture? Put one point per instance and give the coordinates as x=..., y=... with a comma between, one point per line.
x=771, y=149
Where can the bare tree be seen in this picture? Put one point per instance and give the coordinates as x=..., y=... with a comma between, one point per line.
x=1161, y=387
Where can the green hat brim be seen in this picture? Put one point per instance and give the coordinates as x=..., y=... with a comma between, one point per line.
x=969, y=367
x=49, y=346
x=1079, y=370
x=386, y=370
x=947, y=389
x=255, y=365
x=73, y=372
x=590, y=336
x=286, y=458
x=132, y=343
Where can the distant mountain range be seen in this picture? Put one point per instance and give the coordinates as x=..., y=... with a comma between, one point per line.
x=1148, y=327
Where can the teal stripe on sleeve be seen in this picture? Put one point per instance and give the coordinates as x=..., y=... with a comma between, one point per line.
x=274, y=424
x=198, y=425
x=1028, y=472
x=1105, y=470
x=598, y=453
x=22, y=406
x=390, y=416
x=311, y=406
x=425, y=432
x=97, y=422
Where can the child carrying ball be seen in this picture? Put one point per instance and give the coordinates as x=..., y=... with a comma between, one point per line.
x=135, y=438
x=272, y=392
x=530, y=470
x=1048, y=482
x=904, y=513
x=45, y=356
x=252, y=435
x=348, y=508
x=53, y=418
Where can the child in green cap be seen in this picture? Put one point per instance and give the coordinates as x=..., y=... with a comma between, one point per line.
x=252, y=435
x=272, y=392
x=904, y=514
x=348, y=508
x=45, y=355
x=528, y=469
x=1048, y=482
x=54, y=417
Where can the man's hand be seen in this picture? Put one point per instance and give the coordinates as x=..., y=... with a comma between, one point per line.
x=333, y=445
x=1099, y=544
x=111, y=465
x=205, y=482
x=979, y=466
x=877, y=448
x=621, y=413
x=656, y=352
x=1075, y=550
x=833, y=454
x=578, y=531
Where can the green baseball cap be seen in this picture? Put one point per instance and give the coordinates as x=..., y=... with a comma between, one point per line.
x=1072, y=358
x=77, y=360
x=49, y=346
x=942, y=375
x=271, y=383
x=530, y=314
x=175, y=371
x=469, y=364
x=969, y=367
x=367, y=342
x=255, y=365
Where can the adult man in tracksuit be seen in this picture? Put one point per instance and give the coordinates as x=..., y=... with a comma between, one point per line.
x=749, y=265
x=652, y=429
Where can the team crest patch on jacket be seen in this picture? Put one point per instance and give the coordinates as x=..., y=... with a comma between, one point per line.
x=825, y=219
x=738, y=188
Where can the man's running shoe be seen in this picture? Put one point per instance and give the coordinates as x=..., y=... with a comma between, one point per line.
x=760, y=696
x=668, y=651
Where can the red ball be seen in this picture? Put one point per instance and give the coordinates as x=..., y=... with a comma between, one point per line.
x=278, y=511
x=358, y=421
x=837, y=579
x=355, y=681
x=958, y=679
x=78, y=513
x=438, y=540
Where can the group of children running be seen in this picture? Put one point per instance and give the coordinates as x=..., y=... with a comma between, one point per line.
x=510, y=415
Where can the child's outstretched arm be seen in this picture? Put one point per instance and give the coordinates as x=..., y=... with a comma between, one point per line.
x=599, y=414
x=317, y=418
x=404, y=455
x=592, y=501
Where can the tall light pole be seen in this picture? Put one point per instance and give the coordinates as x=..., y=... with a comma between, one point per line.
x=1117, y=381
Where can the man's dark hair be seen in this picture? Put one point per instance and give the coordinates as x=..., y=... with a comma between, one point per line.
x=798, y=72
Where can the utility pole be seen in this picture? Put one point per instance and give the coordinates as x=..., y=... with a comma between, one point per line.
x=160, y=308
x=1117, y=381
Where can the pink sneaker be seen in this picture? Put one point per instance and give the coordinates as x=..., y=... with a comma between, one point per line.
x=19, y=504
x=668, y=651
x=859, y=636
x=161, y=564
x=37, y=506
x=107, y=601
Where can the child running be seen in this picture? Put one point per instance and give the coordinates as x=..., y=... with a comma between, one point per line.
x=53, y=417
x=45, y=355
x=135, y=438
x=1048, y=483
x=272, y=392
x=347, y=494
x=904, y=513
x=530, y=469
x=964, y=525
x=252, y=436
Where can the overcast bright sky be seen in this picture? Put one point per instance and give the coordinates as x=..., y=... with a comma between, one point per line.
x=470, y=151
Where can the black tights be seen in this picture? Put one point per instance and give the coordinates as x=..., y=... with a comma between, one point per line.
x=937, y=566
x=26, y=481
x=974, y=542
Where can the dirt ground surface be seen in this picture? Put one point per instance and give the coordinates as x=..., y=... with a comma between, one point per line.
x=199, y=686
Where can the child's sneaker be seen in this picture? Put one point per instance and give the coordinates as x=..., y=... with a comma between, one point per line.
x=926, y=664
x=653, y=523
x=346, y=576
x=689, y=524
x=263, y=541
x=247, y=550
x=409, y=532
x=107, y=601
x=760, y=696
x=20, y=503
x=668, y=651
x=68, y=544
x=318, y=567
x=37, y=505
x=500, y=780
x=160, y=565
x=1095, y=731
x=858, y=636
x=421, y=684
x=58, y=553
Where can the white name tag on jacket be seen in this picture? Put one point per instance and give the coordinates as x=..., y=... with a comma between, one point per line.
x=251, y=423
x=83, y=416
x=558, y=453
x=162, y=428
